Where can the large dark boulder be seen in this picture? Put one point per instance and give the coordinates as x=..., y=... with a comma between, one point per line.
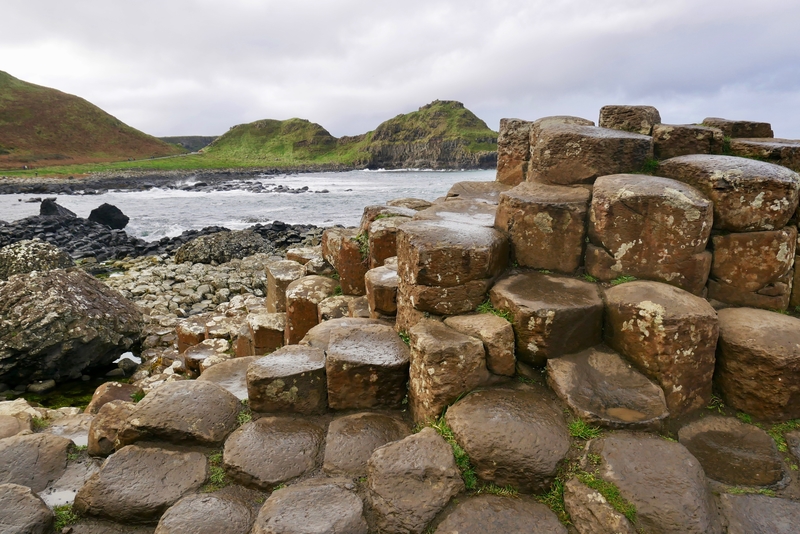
x=49, y=207
x=110, y=216
x=59, y=323
x=222, y=247
x=31, y=255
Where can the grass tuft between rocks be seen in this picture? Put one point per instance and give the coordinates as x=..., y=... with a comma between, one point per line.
x=363, y=245
x=64, y=516
x=739, y=490
x=405, y=337
x=611, y=493
x=39, y=423
x=217, y=478
x=578, y=428
x=623, y=279
x=461, y=456
x=488, y=307
x=75, y=452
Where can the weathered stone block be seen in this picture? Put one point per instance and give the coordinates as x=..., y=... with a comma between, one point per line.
x=488, y=192
x=731, y=128
x=191, y=331
x=672, y=140
x=784, y=152
x=291, y=379
x=352, y=439
x=649, y=227
x=341, y=248
x=748, y=195
x=302, y=298
x=553, y=315
x=267, y=331
x=497, y=336
x=381, y=284
x=358, y=307
x=303, y=255
x=279, y=275
x=334, y=307
x=382, y=211
x=451, y=300
x=383, y=239
x=366, y=367
x=513, y=151
x=463, y=212
x=415, y=204
x=546, y=225
x=637, y=119
x=669, y=335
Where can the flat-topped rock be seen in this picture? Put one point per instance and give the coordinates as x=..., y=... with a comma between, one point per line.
x=280, y=274
x=445, y=254
x=553, y=120
x=450, y=300
x=137, y=485
x=546, y=225
x=342, y=249
x=105, y=426
x=784, y=152
x=382, y=211
x=734, y=128
x=383, y=239
x=302, y=297
x=63, y=490
x=213, y=513
x=311, y=507
x=24, y=512
x=754, y=269
x=381, y=285
x=267, y=331
x=191, y=331
x=185, y=411
x=319, y=336
x=602, y=389
x=272, y=450
x=733, y=452
x=492, y=513
x=470, y=212
x=553, y=315
x=110, y=391
x=591, y=513
x=513, y=151
x=334, y=307
x=445, y=364
x=303, y=255
x=196, y=355
x=748, y=195
x=673, y=140
x=291, y=379
x=513, y=436
x=488, y=192
x=353, y=438
x=636, y=119
x=669, y=335
x=410, y=481
x=358, y=307
x=662, y=479
x=497, y=336
x=758, y=363
x=649, y=227
x=759, y=514
x=567, y=154
x=33, y=460
x=366, y=367
x=230, y=375
x=415, y=204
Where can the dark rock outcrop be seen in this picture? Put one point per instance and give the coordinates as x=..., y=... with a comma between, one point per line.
x=110, y=216
x=222, y=247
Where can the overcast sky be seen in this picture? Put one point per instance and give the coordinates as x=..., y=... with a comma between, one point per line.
x=198, y=67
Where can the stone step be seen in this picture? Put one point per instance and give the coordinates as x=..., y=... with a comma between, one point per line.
x=488, y=192
x=784, y=152
x=636, y=119
x=279, y=275
x=466, y=212
x=302, y=298
x=673, y=140
x=290, y=380
x=734, y=128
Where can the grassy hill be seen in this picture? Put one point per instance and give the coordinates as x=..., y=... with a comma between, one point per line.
x=192, y=143
x=40, y=126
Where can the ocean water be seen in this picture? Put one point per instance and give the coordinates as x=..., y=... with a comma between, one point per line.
x=168, y=212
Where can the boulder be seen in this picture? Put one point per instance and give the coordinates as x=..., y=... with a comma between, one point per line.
x=590, y=512
x=546, y=225
x=491, y=513
x=446, y=254
x=267, y=331
x=366, y=367
x=793, y=441
x=669, y=335
x=753, y=269
x=733, y=452
x=319, y=336
x=488, y=192
x=24, y=512
x=222, y=247
x=32, y=255
x=383, y=239
x=61, y=323
x=552, y=315
x=312, y=507
x=759, y=514
x=381, y=285
x=11, y=426
x=353, y=438
x=567, y=154
x=410, y=481
x=602, y=389
x=279, y=275
x=637, y=119
x=733, y=128
x=272, y=450
x=758, y=363
x=662, y=480
x=230, y=375
x=784, y=152
x=105, y=426
x=111, y=391
x=291, y=379
x=207, y=514
x=187, y=411
x=243, y=342
x=747, y=195
x=463, y=212
x=320, y=267
x=444, y=365
x=513, y=436
x=407, y=315
x=513, y=151
x=33, y=460
x=334, y=307
x=349, y=256
x=673, y=140
x=497, y=336
x=137, y=485
x=302, y=297
x=50, y=207
x=649, y=227
x=109, y=215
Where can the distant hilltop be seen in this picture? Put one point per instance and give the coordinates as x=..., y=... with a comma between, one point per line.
x=440, y=135
x=42, y=126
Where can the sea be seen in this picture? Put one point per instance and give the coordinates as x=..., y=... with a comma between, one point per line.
x=158, y=213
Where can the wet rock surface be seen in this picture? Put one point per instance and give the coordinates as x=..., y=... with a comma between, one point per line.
x=33, y=460
x=590, y=512
x=206, y=514
x=23, y=511
x=291, y=379
x=353, y=438
x=490, y=513
x=759, y=514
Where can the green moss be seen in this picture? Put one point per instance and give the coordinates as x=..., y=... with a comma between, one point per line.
x=623, y=279
x=738, y=490
x=611, y=494
x=39, y=423
x=590, y=278
x=217, y=478
x=64, y=516
x=137, y=396
x=75, y=452
x=716, y=404
x=488, y=307
x=493, y=489
x=777, y=433
x=363, y=245
x=650, y=166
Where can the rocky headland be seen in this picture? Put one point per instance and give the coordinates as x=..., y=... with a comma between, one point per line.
x=603, y=340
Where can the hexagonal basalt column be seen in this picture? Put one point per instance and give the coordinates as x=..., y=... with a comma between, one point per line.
x=302, y=298
x=291, y=379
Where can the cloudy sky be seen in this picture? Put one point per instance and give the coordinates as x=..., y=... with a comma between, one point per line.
x=198, y=67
